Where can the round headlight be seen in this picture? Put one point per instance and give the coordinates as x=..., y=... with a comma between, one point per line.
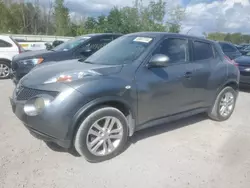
x=35, y=106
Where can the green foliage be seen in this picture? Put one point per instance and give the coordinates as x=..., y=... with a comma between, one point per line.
x=236, y=38
x=62, y=20
x=28, y=18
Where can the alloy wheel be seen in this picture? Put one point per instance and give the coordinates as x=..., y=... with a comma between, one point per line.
x=226, y=104
x=104, y=136
x=4, y=71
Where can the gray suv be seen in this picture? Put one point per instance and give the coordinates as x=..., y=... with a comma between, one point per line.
x=137, y=81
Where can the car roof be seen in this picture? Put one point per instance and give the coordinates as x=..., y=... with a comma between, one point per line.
x=100, y=34
x=161, y=34
x=4, y=36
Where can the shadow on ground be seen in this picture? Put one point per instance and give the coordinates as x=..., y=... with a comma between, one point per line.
x=160, y=129
x=245, y=89
x=144, y=134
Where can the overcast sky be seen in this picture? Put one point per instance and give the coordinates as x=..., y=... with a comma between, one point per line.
x=208, y=15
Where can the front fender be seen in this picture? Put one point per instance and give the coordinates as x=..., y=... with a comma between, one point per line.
x=83, y=111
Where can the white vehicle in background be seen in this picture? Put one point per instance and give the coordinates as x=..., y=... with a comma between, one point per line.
x=8, y=49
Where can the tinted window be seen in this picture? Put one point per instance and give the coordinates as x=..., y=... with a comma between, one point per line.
x=228, y=48
x=71, y=43
x=202, y=51
x=176, y=49
x=4, y=44
x=99, y=43
x=123, y=50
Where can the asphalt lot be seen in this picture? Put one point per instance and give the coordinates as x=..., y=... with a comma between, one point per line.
x=194, y=152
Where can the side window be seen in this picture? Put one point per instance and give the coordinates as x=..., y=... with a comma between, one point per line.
x=116, y=36
x=99, y=43
x=202, y=51
x=228, y=48
x=175, y=48
x=4, y=44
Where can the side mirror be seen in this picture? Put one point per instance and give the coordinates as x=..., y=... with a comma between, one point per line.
x=158, y=60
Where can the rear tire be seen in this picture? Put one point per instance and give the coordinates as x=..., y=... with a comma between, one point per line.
x=5, y=70
x=102, y=135
x=224, y=105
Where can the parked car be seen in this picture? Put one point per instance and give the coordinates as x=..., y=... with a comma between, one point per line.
x=8, y=48
x=137, y=81
x=79, y=47
x=244, y=67
x=230, y=50
x=55, y=43
x=245, y=50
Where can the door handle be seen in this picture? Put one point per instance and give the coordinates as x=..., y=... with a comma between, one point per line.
x=188, y=74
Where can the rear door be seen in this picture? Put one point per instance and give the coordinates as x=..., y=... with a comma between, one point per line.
x=8, y=48
x=205, y=60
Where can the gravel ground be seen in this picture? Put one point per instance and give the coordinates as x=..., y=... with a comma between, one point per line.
x=195, y=152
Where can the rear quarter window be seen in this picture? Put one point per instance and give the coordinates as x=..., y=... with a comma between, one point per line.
x=228, y=48
x=4, y=44
x=202, y=50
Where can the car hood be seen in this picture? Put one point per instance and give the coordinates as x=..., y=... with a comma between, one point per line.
x=243, y=60
x=31, y=54
x=43, y=72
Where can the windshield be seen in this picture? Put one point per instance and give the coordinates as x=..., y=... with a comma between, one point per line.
x=123, y=50
x=71, y=43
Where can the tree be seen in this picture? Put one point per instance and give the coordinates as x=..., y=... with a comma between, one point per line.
x=114, y=20
x=62, y=20
x=228, y=37
x=175, y=16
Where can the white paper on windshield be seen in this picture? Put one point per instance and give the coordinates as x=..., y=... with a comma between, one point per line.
x=143, y=39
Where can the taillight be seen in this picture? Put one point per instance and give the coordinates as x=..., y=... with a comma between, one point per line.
x=231, y=61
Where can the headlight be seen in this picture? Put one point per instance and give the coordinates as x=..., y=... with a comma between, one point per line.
x=36, y=105
x=34, y=61
x=71, y=76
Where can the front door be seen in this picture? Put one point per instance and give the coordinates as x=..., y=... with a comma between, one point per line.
x=164, y=91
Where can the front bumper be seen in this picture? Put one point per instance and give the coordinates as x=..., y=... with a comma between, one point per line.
x=55, y=121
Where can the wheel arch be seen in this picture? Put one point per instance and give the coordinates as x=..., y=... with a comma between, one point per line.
x=116, y=102
x=232, y=83
x=5, y=60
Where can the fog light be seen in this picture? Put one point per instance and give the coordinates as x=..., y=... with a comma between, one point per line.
x=35, y=106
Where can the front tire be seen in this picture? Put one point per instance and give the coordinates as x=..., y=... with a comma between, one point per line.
x=102, y=135
x=224, y=105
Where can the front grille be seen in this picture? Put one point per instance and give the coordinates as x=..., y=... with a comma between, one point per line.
x=25, y=93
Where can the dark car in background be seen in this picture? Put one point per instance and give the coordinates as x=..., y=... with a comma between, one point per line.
x=55, y=43
x=244, y=67
x=79, y=47
x=230, y=50
x=245, y=50
x=137, y=81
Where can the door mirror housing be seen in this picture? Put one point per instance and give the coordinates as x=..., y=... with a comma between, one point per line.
x=158, y=60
